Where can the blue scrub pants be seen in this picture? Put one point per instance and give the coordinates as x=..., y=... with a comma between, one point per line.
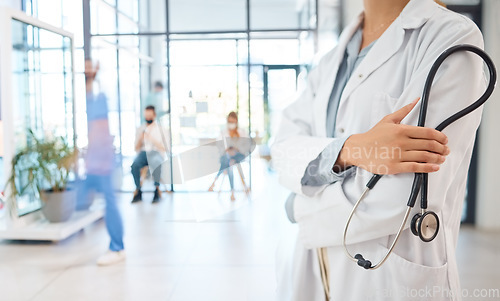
x=141, y=161
x=103, y=184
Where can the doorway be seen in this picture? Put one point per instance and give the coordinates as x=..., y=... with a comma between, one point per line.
x=280, y=86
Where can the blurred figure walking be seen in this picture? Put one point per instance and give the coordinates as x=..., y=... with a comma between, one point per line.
x=99, y=162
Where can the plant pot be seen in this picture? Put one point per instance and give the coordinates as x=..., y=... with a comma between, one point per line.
x=58, y=206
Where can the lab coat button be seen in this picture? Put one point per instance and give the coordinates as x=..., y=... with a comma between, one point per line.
x=360, y=75
x=341, y=130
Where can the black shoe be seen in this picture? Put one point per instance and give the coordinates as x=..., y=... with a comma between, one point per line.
x=137, y=196
x=157, y=195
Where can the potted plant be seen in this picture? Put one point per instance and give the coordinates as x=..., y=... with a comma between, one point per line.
x=43, y=167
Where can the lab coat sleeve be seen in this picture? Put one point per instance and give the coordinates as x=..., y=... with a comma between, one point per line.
x=320, y=171
x=295, y=146
x=459, y=82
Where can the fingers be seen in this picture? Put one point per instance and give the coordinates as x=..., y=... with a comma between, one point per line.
x=408, y=167
x=427, y=145
x=423, y=157
x=400, y=114
x=418, y=132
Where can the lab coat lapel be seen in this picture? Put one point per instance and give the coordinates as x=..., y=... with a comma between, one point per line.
x=323, y=94
x=383, y=49
x=414, y=15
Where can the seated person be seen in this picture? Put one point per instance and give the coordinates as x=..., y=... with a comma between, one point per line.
x=150, y=145
x=232, y=155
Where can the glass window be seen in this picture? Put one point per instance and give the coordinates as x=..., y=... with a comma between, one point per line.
x=209, y=71
x=129, y=80
x=281, y=87
x=107, y=81
x=274, y=51
x=126, y=25
x=143, y=13
x=50, y=11
x=202, y=96
x=80, y=111
x=73, y=21
x=207, y=15
x=152, y=16
x=153, y=61
x=42, y=90
x=329, y=30
x=129, y=95
x=103, y=17
x=242, y=49
x=308, y=14
x=307, y=48
x=203, y=52
x=129, y=8
x=279, y=14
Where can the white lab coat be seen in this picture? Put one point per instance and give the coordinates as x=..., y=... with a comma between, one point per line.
x=391, y=75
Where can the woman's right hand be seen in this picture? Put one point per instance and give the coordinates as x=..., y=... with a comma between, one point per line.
x=391, y=148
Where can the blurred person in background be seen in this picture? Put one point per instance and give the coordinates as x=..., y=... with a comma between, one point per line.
x=232, y=154
x=150, y=145
x=156, y=98
x=99, y=163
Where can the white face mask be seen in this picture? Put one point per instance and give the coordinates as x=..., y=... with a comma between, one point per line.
x=231, y=125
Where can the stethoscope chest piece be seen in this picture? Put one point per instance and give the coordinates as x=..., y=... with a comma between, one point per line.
x=425, y=226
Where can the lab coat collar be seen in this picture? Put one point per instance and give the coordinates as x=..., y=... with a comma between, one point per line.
x=414, y=15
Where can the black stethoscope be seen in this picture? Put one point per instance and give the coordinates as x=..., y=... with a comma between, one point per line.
x=426, y=223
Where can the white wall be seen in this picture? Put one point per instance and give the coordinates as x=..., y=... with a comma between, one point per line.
x=488, y=200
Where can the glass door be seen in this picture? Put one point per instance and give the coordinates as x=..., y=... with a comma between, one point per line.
x=207, y=83
x=280, y=86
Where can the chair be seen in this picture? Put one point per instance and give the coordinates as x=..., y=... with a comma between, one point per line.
x=242, y=178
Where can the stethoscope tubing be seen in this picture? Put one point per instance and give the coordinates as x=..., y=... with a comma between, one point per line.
x=420, y=181
x=401, y=227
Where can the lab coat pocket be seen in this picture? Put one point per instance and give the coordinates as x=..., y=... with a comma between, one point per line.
x=413, y=281
x=383, y=105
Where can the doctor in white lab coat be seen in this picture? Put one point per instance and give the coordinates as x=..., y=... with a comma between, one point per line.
x=375, y=133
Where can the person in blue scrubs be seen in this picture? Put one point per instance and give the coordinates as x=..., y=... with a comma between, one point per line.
x=99, y=163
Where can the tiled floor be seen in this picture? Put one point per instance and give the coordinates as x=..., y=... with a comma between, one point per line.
x=191, y=246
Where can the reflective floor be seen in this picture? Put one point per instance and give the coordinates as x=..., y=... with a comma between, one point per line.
x=191, y=246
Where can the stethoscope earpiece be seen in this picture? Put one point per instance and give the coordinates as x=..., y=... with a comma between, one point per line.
x=367, y=264
x=425, y=224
